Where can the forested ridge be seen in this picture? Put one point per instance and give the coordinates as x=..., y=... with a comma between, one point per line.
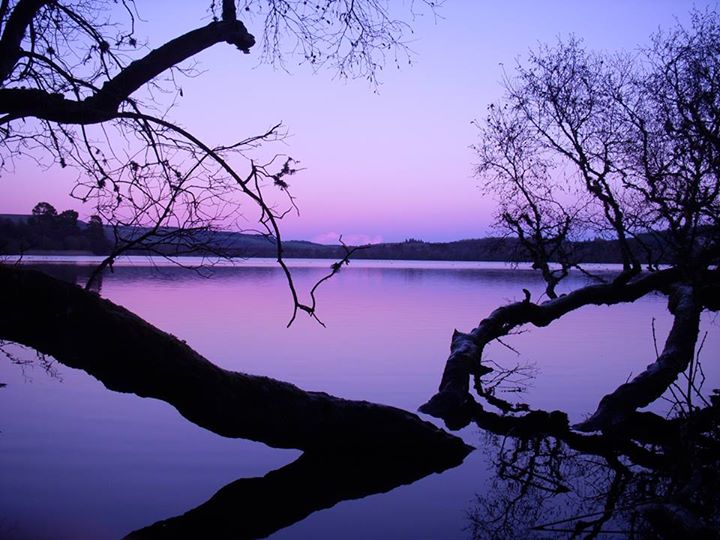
x=30, y=234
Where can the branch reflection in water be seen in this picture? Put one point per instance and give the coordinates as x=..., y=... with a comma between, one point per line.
x=436, y=504
x=656, y=479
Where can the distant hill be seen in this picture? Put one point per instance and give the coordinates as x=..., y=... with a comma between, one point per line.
x=484, y=249
x=24, y=234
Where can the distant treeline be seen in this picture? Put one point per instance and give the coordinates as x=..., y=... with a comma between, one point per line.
x=495, y=249
x=46, y=230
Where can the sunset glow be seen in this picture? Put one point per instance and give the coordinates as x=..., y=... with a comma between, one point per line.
x=378, y=166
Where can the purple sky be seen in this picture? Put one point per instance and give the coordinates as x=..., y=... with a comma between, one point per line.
x=378, y=166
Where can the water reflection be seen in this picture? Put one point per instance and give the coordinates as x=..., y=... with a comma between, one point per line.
x=256, y=507
x=545, y=487
x=649, y=476
x=80, y=462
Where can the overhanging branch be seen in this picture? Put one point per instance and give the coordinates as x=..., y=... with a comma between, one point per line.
x=14, y=32
x=104, y=104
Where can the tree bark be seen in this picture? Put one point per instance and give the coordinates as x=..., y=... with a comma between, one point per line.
x=127, y=354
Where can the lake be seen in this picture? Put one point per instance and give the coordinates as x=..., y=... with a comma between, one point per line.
x=80, y=462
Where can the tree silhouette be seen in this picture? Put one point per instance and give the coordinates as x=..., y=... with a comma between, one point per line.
x=79, y=90
x=45, y=229
x=44, y=209
x=617, y=147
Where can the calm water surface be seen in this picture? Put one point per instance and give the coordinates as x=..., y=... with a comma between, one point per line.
x=78, y=461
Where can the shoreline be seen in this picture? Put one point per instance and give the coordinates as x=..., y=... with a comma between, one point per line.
x=267, y=262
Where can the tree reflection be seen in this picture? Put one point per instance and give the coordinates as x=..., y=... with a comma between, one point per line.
x=552, y=482
x=257, y=507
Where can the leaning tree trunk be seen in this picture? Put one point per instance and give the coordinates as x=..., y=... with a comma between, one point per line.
x=127, y=354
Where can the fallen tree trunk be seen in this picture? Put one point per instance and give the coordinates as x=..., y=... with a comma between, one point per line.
x=466, y=350
x=127, y=354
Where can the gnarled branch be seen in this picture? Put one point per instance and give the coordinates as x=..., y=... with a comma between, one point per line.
x=467, y=349
x=104, y=104
x=658, y=376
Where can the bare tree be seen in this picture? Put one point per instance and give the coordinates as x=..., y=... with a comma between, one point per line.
x=78, y=90
x=518, y=172
x=608, y=146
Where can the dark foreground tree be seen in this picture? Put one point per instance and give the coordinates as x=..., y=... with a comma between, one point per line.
x=617, y=147
x=78, y=90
